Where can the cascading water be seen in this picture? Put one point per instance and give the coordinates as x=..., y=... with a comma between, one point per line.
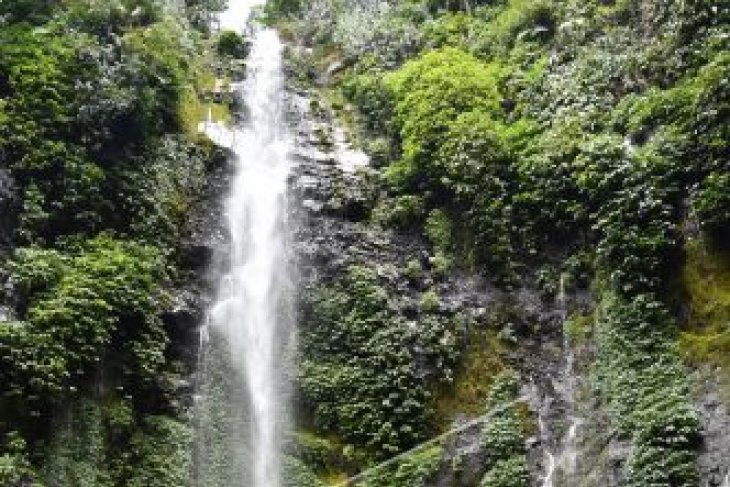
x=240, y=410
x=562, y=462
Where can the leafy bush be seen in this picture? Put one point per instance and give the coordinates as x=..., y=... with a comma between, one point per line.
x=371, y=96
x=647, y=391
x=232, y=44
x=712, y=205
x=15, y=468
x=357, y=368
x=519, y=18
x=106, y=297
x=512, y=472
x=503, y=436
x=159, y=454
x=431, y=92
x=415, y=469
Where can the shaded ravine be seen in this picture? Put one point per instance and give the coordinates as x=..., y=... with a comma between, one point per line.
x=241, y=409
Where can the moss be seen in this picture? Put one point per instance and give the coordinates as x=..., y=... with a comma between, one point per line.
x=578, y=326
x=334, y=478
x=438, y=229
x=441, y=264
x=327, y=456
x=482, y=362
x=412, y=470
x=430, y=301
x=705, y=340
x=414, y=269
x=195, y=105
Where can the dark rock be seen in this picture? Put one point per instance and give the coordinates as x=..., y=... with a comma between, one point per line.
x=714, y=458
x=9, y=207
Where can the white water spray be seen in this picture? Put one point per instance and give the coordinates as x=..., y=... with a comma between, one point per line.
x=250, y=315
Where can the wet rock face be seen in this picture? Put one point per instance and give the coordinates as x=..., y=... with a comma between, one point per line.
x=714, y=459
x=9, y=202
x=331, y=201
x=9, y=207
x=200, y=256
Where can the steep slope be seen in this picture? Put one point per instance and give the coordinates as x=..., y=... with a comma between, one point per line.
x=540, y=174
x=101, y=168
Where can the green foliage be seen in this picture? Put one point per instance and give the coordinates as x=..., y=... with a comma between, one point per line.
x=100, y=444
x=517, y=20
x=439, y=230
x=430, y=301
x=232, y=44
x=512, y=472
x=76, y=454
x=159, y=454
x=473, y=164
x=317, y=453
x=712, y=205
x=455, y=30
x=357, y=367
x=403, y=211
x=89, y=94
x=105, y=297
x=160, y=55
x=15, y=468
x=94, y=91
x=647, y=391
x=153, y=201
x=369, y=93
x=414, y=470
x=503, y=436
x=32, y=11
x=296, y=474
x=283, y=7
x=576, y=128
x=431, y=92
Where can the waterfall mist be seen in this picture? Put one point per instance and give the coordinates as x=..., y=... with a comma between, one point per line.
x=241, y=410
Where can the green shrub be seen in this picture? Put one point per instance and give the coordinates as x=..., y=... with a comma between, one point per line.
x=231, y=44
x=415, y=469
x=15, y=467
x=106, y=297
x=712, y=205
x=159, y=454
x=503, y=436
x=402, y=212
x=512, y=472
x=357, y=375
x=430, y=301
x=528, y=19
x=370, y=94
x=430, y=94
x=647, y=391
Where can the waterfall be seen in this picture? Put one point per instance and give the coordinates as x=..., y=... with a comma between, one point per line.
x=564, y=461
x=241, y=399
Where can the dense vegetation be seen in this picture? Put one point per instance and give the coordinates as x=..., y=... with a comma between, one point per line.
x=97, y=102
x=526, y=141
x=531, y=139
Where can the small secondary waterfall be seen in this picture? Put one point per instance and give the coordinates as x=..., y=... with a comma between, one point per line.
x=564, y=461
x=240, y=410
